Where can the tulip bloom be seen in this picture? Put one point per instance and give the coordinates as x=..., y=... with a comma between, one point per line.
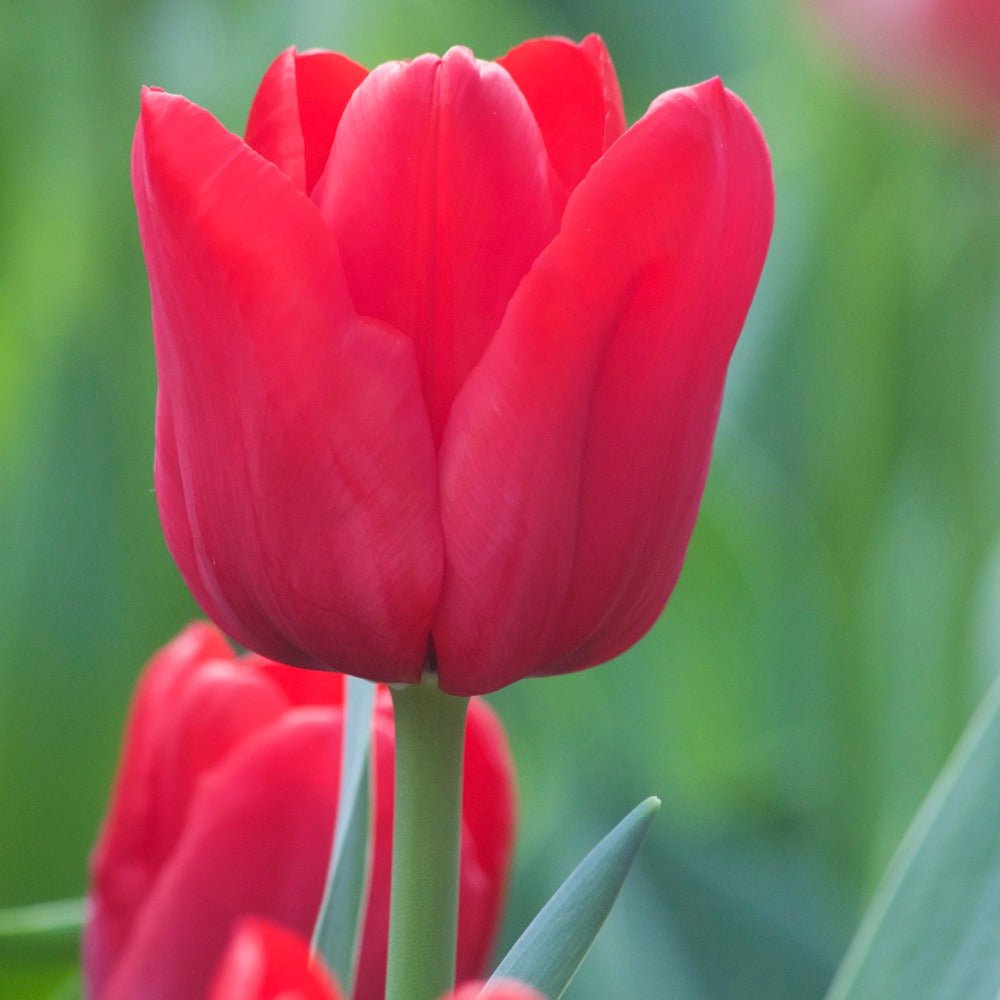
x=267, y=962
x=441, y=350
x=224, y=806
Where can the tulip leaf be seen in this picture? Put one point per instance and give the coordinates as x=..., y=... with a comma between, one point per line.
x=52, y=927
x=556, y=942
x=931, y=931
x=337, y=933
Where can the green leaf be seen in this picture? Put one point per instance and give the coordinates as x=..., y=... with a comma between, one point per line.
x=42, y=928
x=931, y=931
x=551, y=949
x=336, y=935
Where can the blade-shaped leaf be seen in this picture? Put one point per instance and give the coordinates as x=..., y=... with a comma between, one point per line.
x=554, y=944
x=933, y=929
x=338, y=926
x=52, y=927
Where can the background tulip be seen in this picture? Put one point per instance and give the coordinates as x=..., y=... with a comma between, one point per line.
x=441, y=350
x=266, y=962
x=224, y=806
x=943, y=53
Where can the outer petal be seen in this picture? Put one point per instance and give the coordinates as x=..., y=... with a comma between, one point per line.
x=255, y=843
x=295, y=114
x=295, y=468
x=489, y=816
x=439, y=195
x=266, y=962
x=599, y=397
x=300, y=687
x=573, y=93
x=193, y=706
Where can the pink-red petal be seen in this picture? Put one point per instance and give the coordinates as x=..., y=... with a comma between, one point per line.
x=214, y=705
x=300, y=687
x=573, y=93
x=489, y=829
x=295, y=466
x=439, y=195
x=297, y=108
x=264, y=961
x=277, y=792
x=614, y=117
x=598, y=398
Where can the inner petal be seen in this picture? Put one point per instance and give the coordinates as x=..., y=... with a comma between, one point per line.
x=440, y=195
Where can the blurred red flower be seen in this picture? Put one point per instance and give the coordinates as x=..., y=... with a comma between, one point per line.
x=441, y=349
x=267, y=962
x=943, y=53
x=224, y=806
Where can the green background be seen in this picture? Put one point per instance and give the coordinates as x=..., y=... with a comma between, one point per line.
x=836, y=619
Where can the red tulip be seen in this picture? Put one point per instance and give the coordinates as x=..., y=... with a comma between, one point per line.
x=224, y=806
x=441, y=350
x=267, y=962
x=945, y=53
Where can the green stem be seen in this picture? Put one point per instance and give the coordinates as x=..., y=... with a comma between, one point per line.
x=423, y=912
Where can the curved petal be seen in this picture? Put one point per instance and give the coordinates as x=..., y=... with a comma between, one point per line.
x=297, y=108
x=300, y=687
x=277, y=792
x=438, y=193
x=614, y=108
x=573, y=93
x=214, y=705
x=266, y=962
x=613, y=353
x=295, y=468
x=489, y=816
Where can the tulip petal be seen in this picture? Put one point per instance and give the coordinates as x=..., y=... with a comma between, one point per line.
x=614, y=108
x=266, y=962
x=295, y=467
x=599, y=397
x=215, y=704
x=297, y=108
x=439, y=193
x=488, y=832
x=300, y=687
x=573, y=93
x=278, y=788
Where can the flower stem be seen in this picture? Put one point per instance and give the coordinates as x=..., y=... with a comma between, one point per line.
x=423, y=912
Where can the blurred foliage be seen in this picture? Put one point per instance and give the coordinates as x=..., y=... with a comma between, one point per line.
x=835, y=622
x=930, y=931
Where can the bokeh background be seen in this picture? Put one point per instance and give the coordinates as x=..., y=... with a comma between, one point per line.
x=836, y=621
